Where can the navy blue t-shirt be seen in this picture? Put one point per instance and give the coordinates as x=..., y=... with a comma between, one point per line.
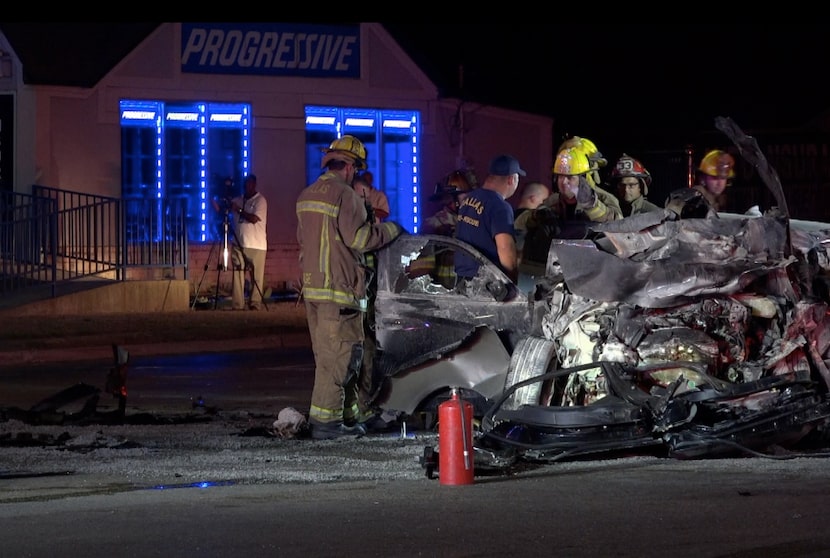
x=482, y=215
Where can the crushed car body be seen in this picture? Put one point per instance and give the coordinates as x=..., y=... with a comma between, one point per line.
x=431, y=337
x=692, y=337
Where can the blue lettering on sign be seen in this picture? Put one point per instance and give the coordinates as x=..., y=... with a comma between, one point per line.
x=278, y=49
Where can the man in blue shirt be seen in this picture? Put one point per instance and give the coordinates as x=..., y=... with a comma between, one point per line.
x=485, y=220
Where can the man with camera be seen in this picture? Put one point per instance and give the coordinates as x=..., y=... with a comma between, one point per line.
x=250, y=213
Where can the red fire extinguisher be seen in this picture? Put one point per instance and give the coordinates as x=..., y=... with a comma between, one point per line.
x=455, y=440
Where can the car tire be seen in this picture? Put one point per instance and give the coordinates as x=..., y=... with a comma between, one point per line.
x=531, y=358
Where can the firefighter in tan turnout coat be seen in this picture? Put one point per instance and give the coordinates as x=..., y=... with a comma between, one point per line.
x=334, y=236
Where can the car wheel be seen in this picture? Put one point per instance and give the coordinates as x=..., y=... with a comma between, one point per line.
x=531, y=358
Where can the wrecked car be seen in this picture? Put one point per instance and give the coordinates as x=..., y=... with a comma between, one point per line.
x=431, y=337
x=667, y=332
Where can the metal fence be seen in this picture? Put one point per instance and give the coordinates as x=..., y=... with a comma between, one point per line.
x=52, y=237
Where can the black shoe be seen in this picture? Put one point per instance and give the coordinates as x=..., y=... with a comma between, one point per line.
x=335, y=430
x=376, y=425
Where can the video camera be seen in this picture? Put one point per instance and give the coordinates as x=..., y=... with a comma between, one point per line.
x=224, y=195
x=224, y=204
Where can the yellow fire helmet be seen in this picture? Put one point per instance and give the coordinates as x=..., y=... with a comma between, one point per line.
x=718, y=163
x=571, y=161
x=347, y=148
x=591, y=150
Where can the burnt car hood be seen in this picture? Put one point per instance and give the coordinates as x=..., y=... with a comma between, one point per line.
x=654, y=262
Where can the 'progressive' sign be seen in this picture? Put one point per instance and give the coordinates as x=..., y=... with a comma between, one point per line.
x=279, y=49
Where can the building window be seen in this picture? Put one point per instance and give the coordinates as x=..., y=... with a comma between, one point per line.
x=392, y=140
x=179, y=154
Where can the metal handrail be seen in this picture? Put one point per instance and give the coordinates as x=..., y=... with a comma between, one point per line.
x=53, y=237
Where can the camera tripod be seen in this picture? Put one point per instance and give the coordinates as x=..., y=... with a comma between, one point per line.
x=224, y=258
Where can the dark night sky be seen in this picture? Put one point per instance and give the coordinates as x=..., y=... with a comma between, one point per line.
x=604, y=80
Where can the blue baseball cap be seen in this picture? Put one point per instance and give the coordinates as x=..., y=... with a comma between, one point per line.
x=505, y=165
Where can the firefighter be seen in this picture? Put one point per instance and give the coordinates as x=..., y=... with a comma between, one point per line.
x=335, y=234
x=578, y=196
x=485, y=221
x=452, y=192
x=533, y=194
x=596, y=161
x=716, y=170
x=632, y=181
x=376, y=200
x=577, y=201
x=454, y=189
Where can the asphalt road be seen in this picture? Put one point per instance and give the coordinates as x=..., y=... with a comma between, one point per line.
x=26, y=340
x=213, y=479
x=623, y=508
